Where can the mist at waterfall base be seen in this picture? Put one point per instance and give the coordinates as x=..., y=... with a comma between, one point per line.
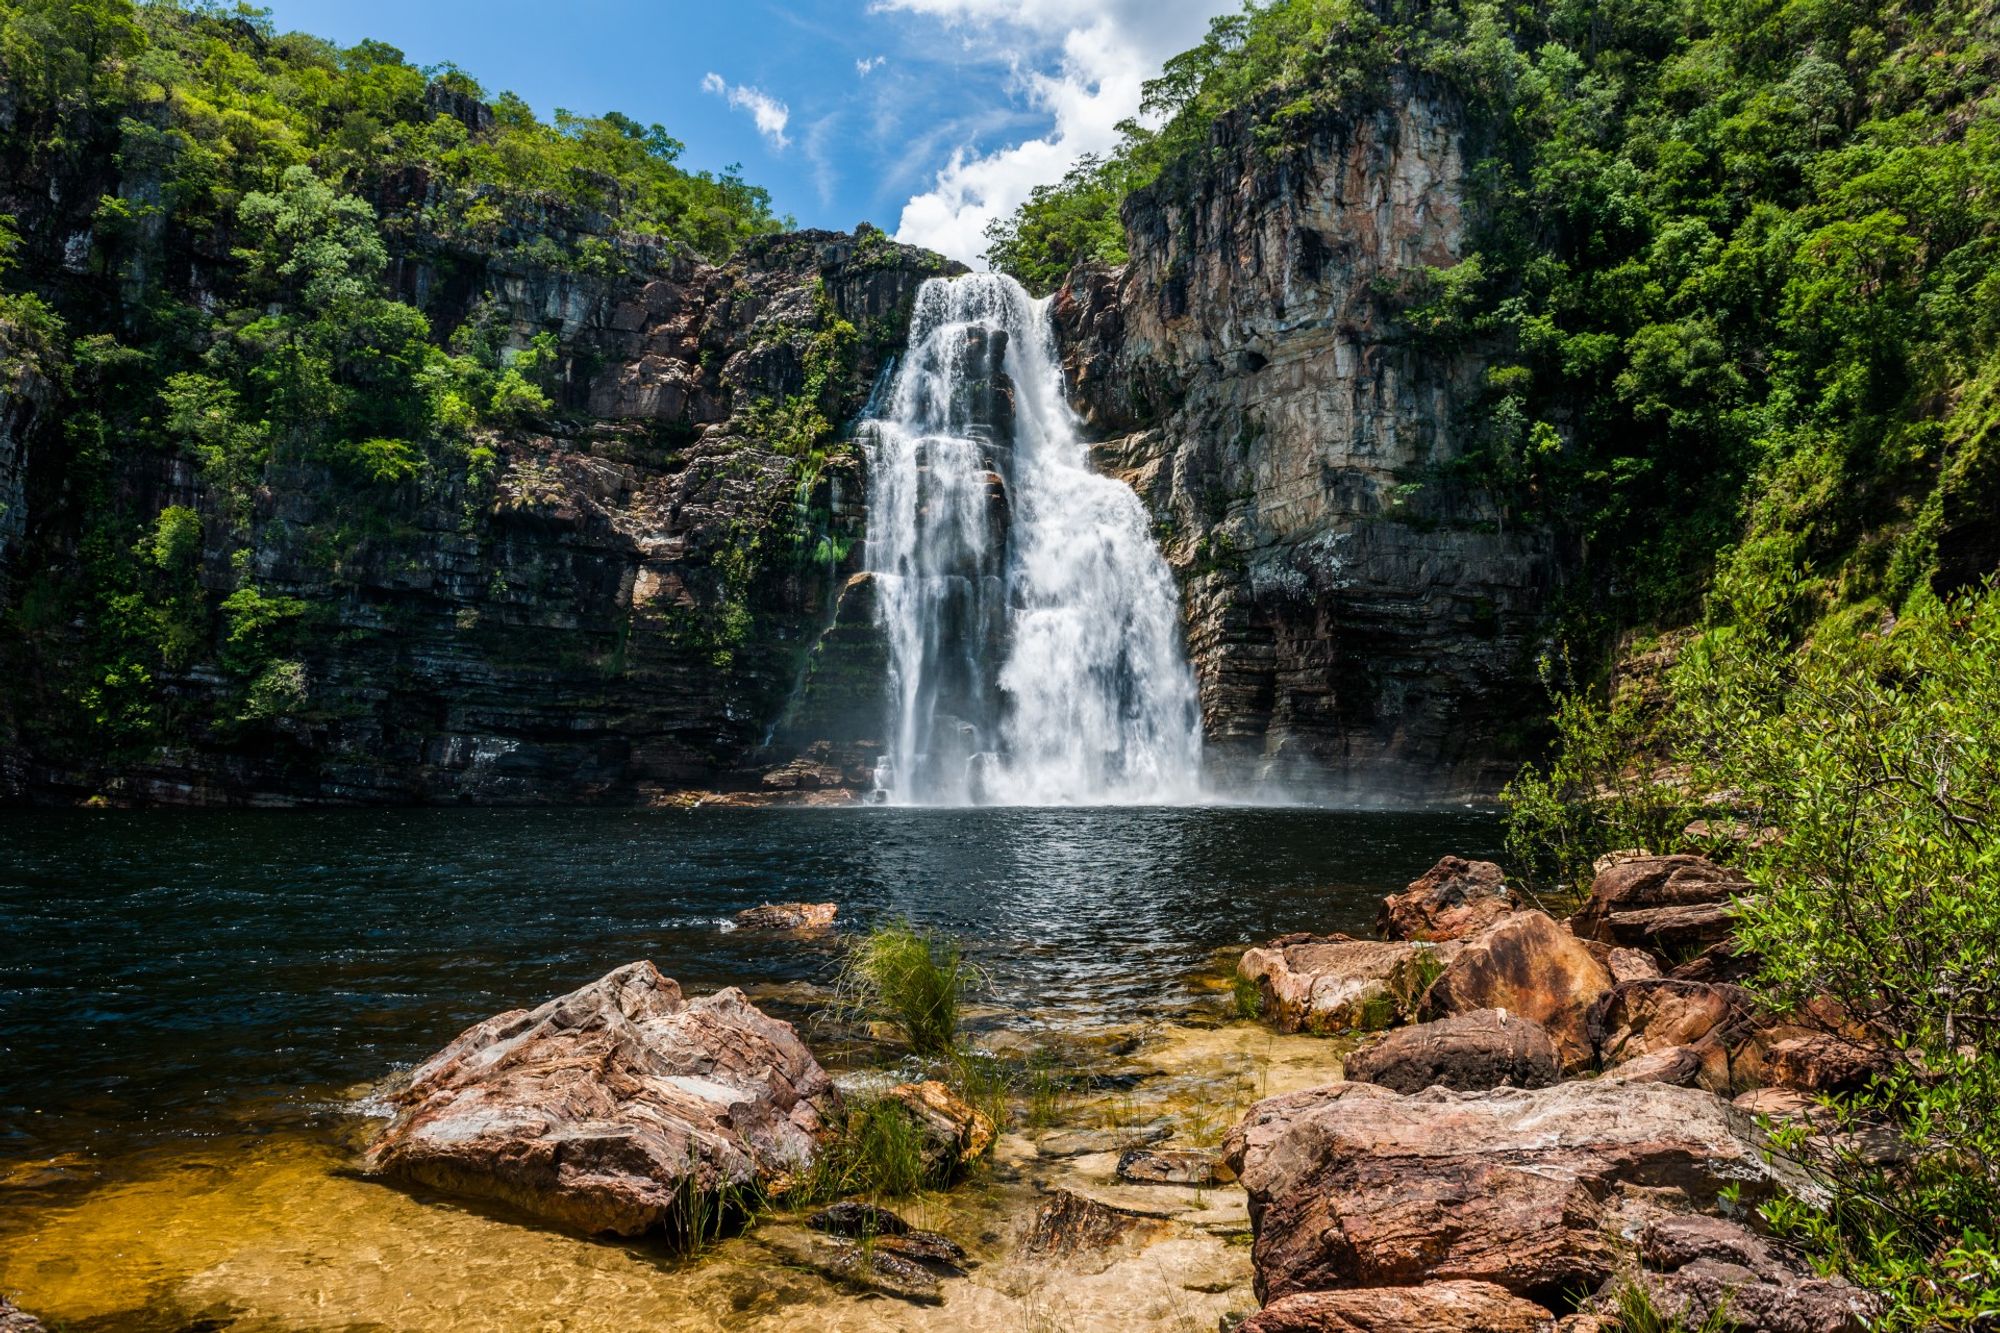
x=1033, y=626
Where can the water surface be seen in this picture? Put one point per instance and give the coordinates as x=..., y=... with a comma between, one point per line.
x=173, y=974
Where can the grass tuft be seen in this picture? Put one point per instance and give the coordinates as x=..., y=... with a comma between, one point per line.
x=914, y=980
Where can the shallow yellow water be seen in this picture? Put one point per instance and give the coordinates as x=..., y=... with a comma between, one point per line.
x=272, y=1233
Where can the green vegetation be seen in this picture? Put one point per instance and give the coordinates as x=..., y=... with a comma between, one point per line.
x=211, y=268
x=914, y=980
x=1718, y=251
x=1853, y=779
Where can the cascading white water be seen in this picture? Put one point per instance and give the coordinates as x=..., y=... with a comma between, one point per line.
x=1033, y=627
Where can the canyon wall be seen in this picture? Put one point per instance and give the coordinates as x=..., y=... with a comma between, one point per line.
x=1362, y=625
x=612, y=605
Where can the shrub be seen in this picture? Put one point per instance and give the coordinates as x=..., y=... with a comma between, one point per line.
x=912, y=979
x=1875, y=759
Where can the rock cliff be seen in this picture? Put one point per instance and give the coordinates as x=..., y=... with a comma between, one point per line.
x=611, y=604
x=1361, y=624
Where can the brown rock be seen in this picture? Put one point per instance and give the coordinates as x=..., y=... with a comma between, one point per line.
x=1454, y=898
x=955, y=1133
x=1702, y=1066
x=1823, y=1062
x=1631, y=965
x=13, y=1319
x=1068, y=1226
x=1487, y=1048
x=1309, y=984
x=787, y=916
x=1696, y=1268
x=1637, y=1018
x=1527, y=965
x=610, y=1108
x=856, y=1221
x=1171, y=1166
x=874, y=1268
x=1509, y=1187
x=1436, y=1307
x=1668, y=904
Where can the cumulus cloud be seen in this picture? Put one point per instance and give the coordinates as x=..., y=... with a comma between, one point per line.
x=1079, y=63
x=771, y=115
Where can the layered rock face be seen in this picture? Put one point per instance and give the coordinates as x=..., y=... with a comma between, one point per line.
x=1360, y=624
x=622, y=603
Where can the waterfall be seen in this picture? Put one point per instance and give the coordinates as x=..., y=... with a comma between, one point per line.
x=1033, y=627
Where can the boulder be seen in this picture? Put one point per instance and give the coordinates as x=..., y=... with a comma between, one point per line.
x=1667, y=904
x=955, y=1133
x=1436, y=1307
x=1487, y=1048
x=788, y=916
x=1636, y=1018
x=1698, y=1269
x=1530, y=966
x=1310, y=984
x=1701, y=1066
x=617, y=1108
x=1523, y=1189
x=1823, y=1062
x=857, y=1221
x=1454, y=898
x=1630, y=965
x=1172, y=1166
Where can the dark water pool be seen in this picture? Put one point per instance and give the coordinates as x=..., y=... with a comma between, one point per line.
x=174, y=974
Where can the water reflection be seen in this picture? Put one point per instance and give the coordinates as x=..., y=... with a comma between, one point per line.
x=170, y=974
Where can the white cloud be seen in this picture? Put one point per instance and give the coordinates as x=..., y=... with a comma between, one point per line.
x=1079, y=62
x=869, y=65
x=770, y=115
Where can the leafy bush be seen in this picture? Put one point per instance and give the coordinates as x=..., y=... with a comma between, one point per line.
x=1872, y=758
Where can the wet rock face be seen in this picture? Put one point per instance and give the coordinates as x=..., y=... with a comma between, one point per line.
x=1358, y=622
x=620, y=1108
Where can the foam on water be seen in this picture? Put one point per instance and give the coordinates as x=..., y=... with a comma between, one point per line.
x=1034, y=628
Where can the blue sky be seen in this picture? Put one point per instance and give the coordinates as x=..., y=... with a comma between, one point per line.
x=925, y=117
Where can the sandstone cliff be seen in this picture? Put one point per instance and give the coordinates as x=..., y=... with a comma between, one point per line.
x=1361, y=625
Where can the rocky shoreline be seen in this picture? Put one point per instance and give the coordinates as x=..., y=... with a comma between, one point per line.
x=1489, y=1120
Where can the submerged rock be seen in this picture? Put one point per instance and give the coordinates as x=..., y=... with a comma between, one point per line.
x=855, y=1220
x=1487, y=1048
x=1527, y=965
x=1172, y=1166
x=1436, y=1307
x=872, y=1268
x=619, y=1108
x=1523, y=1189
x=1084, y=1142
x=1069, y=1226
x=1454, y=898
x=1312, y=984
x=787, y=916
